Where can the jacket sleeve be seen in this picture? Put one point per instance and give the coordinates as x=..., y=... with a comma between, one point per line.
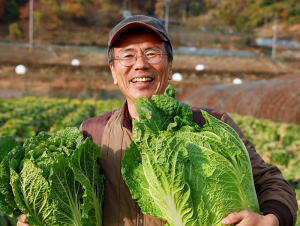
x=80, y=129
x=274, y=193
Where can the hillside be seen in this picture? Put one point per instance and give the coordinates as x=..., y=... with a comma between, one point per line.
x=88, y=22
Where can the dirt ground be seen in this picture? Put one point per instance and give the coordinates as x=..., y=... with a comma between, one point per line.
x=46, y=73
x=284, y=30
x=187, y=62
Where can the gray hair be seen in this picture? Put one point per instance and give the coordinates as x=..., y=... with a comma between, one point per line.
x=168, y=50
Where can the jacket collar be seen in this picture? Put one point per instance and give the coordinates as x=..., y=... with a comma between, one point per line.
x=126, y=120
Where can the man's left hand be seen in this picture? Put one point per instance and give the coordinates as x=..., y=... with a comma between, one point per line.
x=247, y=218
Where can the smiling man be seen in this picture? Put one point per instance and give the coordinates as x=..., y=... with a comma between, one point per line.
x=140, y=58
x=139, y=64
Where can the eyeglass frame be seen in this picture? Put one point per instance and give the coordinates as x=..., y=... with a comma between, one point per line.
x=136, y=57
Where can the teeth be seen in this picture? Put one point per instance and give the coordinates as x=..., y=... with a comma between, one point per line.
x=142, y=80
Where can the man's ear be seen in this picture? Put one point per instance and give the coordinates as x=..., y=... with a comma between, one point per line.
x=113, y=73
x=170, y=70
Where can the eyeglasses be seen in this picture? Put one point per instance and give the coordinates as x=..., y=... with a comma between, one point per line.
x=128, y=58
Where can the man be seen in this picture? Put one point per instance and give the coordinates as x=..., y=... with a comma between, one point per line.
x=140, y=59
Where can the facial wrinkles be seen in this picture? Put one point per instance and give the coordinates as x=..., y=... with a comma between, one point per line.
x=141, y=63
x=163, y=75
x=159, y=72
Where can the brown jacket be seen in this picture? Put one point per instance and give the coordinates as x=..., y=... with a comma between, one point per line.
x=112, y=132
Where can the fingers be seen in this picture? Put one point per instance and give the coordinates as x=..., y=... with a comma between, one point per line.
x=234, y=218
x=23, y=218
x=22, y=221
x=22, y=224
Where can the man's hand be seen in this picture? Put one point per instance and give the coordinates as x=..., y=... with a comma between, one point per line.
x=247, y=218
x=22, y=221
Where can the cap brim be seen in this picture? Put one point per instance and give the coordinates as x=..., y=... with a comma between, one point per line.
x=135, y=24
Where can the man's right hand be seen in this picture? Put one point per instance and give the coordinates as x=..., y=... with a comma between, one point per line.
x=22, y=221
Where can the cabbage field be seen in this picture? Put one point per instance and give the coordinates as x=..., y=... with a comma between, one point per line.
x=25, y=117
x=278, y=143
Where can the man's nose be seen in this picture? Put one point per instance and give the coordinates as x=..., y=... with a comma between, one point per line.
x=140, y=61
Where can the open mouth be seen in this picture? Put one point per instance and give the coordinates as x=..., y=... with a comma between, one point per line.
x=141, y=80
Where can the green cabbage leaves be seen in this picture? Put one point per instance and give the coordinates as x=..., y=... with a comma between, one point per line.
x=54, y=180
x=182, y=173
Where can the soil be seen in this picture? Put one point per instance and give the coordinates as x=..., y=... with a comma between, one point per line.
x=45, y=73
x=284, y=30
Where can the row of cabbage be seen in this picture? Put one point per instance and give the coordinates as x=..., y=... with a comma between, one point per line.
x=26, y=117
x=278, y=143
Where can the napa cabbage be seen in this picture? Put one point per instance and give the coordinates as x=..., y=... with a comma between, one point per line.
x=182, y=173
x=54, y=180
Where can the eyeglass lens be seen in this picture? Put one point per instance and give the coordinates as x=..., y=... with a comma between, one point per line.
x=128, y=58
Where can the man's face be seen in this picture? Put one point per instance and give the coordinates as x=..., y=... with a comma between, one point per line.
x=126, y=76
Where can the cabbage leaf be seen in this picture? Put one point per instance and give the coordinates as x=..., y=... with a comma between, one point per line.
x=54, y=180
x=182, y=173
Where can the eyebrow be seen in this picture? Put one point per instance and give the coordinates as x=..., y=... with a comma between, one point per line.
x=131, y=49
x=128, y=49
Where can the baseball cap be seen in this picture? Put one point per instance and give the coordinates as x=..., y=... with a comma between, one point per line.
x=138, y=21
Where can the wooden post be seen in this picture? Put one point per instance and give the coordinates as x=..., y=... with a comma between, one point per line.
x=265, y=24
x=184, y=14
x=30, y=26
x=274, y=37
x=166, y=15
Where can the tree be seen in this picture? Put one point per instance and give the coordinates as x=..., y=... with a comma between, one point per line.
x=2, y=7
x=9, y=10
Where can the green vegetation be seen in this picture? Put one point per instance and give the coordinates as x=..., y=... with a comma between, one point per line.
x=88, y=22
x=26, y=117
x=176, y=170
x=14, y=30
x=247, y=14
x=298, y=198
x=5, y=220
x=11, y=11
x=54, y=180
x=278, y=143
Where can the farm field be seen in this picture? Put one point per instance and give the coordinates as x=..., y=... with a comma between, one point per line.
x=26, y=117
x=278, y=143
